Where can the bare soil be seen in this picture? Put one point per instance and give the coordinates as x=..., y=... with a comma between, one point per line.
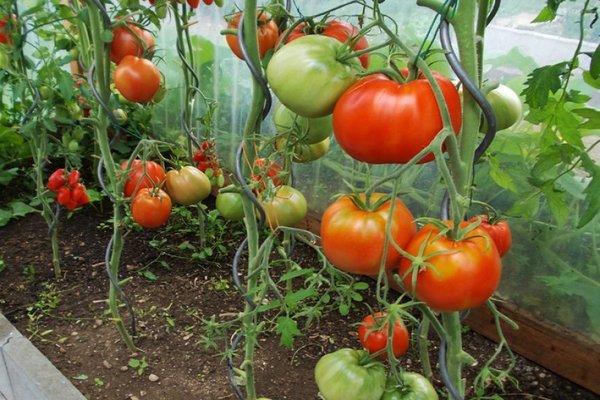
x=68, y=322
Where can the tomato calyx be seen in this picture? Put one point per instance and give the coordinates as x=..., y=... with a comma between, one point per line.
x=363, y=201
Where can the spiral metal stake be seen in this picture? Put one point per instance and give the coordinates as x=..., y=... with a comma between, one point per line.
x=196, y=86
x=490, y=134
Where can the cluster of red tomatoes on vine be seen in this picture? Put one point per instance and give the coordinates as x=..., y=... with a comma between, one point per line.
x=70, y=192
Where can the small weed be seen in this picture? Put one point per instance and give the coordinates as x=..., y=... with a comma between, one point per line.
x=98, y=381
x=2, y=265
x=139, y=365
x=219, y=284
x=29, y=272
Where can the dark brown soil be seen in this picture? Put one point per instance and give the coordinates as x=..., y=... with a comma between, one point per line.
x=79, y=338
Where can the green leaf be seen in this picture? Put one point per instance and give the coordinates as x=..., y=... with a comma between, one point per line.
x=543, y=81
x=547, y=14
x=527, y=207
x=295, y=274
x=595, y=63
x=50, y=125
x=557, y=204
x=500, y=175
x=344, y=309
x=592, y=118
x=2, y=265
x=20, y=209
x=360, y=286
x=292, y=299
x=65, y=84
x=5, y=216
x=287, y=329
x=80, y=377
x=8, y=175
x=148, y=275
x=592, y=197
x=593, y=82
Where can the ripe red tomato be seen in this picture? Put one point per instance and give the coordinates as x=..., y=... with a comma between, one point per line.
x=265, y=170
x=267, y=34
x=125, y=43
x=57, y=179
x=403, y=117
x=137, y=79
x=353, y=238
x=339, y=30
x=373, y=335
x=146, y=174
x=208, y=2
x=5, y=29
x=499, y=231
x=464, y=275
x=193, y=3
x=151, y=207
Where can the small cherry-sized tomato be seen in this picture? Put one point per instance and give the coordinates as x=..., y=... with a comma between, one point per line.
x=151, y=207
x=265, y=168
x=373, y=335
x=74, y=177
x=208, y=2
x=137, y=79
x=456, y=275
x=126, y=43
x=187, y=186
x=267, y=34
x=57, y=179
x=142, y=174
x=5, y=33
x=499, y=231
x=63, y=195
x=79, y=194
x=193, y=3
x=353, y=236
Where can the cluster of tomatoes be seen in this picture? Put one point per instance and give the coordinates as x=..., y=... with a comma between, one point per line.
x=151, y=205
x=135, y=77
x=196, y=3
x=5, y=31
x=207, y=161
x=69, y=191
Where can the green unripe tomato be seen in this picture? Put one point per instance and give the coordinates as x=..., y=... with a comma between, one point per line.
x=306, y=152
x=73, y=146
x=416, y=387
x=308, y=130
x=349, y=374
x=506, y=105
x=230, y=206
x=286, y=208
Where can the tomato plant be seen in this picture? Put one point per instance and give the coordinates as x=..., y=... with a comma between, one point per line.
x=306, y=130
x=268, y=32
x=151, y=207
x=187, y=186
x=142, y=174
x=137, y=79
x=230, y=206
x=403, y=117
x=373, y=335
x=349, y=374
x=353, y=235
x=287, y=207
x=414, y=387
x=499, y=231
x=340, y=30
x=456, y=274
x=309, y=74
x=126, y=43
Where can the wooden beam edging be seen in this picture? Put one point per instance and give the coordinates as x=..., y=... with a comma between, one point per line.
x=567, y=353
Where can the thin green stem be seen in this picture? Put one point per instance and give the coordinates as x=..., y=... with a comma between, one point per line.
x=454, y=351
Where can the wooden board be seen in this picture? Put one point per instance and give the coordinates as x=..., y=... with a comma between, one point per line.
x=564, y=352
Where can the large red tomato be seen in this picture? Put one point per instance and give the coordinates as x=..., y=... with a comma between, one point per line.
x=141, y=175
x=340, y=30
x=373, y=335
x=378, y=120
x=353, y=238
x=499, y=231
x=268, y=32
x=125, y=43
x=457, y=275
x=137, y=79
x=151, y=207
